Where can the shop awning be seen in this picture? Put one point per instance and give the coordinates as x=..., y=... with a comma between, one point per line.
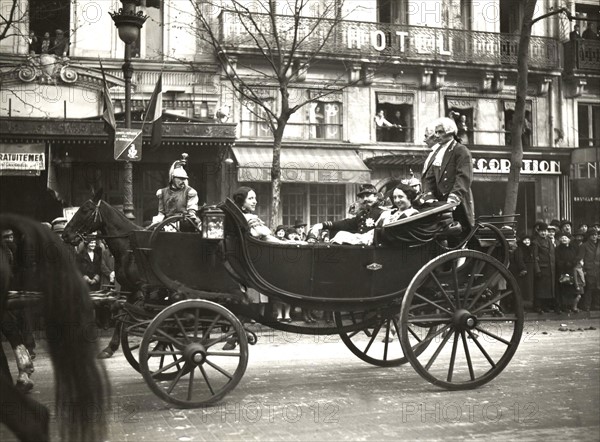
x=413, y=158
x=333, y=166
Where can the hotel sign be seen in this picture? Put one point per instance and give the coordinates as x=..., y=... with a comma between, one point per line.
x=502, y=166
x=22, y=159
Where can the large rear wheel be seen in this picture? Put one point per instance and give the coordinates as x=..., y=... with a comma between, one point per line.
x=206, y=345
x=476, y=303
x=373, y=336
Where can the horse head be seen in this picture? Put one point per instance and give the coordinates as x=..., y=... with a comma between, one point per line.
x=86, y=220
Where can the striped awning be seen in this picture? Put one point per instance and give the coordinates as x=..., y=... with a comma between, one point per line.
x=333, y=166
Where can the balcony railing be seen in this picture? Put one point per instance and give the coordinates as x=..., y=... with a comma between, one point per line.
x=402, y=42
x=583, y=55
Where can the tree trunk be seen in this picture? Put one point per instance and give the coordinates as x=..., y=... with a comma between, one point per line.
x=276, y=175
x=516, y=158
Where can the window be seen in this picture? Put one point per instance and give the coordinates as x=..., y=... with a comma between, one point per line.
x=509, y=110
x=325, y=120
x=398, y=110
x=49, y=26
x=588, y=125
x=393, y=11
x=254, y=119
x=326, y=202
x=312, y=203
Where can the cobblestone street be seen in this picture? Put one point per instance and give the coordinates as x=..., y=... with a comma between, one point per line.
x=312, y=388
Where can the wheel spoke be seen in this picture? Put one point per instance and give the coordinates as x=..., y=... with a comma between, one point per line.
x=498, y=319
x=166, y=367
x=481, y=349
x=183, y=330
x=438, y=349
x=387, y=340
x=173, y=355
x=455, y=280
x=439, y=284
x=467, y=355
x=428, y=319
x=437, y=333
x=375, y=332
x=486, y=284
x=496, y=300
x=436, y=305
x=191, y=385
x=206, y=334
x=219, y=369
x=222, y=353
x=164, y=352
x=196, y=321
x=205, y=376
x=175, y=381
x=452, y=357
x=170, y=338
x=221, y=338
x=492, y=335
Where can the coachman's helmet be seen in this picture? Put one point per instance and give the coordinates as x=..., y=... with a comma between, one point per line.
x=177, y=168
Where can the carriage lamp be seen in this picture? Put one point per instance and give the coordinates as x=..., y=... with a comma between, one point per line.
x=213, y=222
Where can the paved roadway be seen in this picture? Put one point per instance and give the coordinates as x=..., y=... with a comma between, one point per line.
x=313, y=388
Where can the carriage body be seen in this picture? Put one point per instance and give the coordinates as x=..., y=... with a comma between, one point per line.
x=435, y=286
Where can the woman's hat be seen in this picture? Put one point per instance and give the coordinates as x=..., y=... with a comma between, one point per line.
x=366, y=189
x=280, y=227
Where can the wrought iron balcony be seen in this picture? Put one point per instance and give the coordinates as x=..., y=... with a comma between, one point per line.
x=354, y=39
x=582, y=55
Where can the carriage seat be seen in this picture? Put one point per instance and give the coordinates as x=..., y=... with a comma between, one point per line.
x=433, y=221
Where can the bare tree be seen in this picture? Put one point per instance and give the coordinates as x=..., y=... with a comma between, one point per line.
x=516, y=159
x=285, y=43
x=10, y=18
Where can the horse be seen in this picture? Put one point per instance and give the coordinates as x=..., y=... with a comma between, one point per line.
x=82, y=388
x=97, y=215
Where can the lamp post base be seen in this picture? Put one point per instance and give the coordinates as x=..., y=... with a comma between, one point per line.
x=128, y=207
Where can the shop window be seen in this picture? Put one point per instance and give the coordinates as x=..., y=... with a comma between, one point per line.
x=326, y=202
x=325, y=120
x=509, y=111
x=588, y=125
x=397, y=110
x=293, y=203
x=49, y=26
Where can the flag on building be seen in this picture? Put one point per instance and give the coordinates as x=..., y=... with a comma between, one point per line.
x=154, y=114
x=110, y=123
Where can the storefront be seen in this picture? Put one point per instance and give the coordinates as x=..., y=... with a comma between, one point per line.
x=543, y=185
x=585, y=182
x=318, y=183
x=78, y=158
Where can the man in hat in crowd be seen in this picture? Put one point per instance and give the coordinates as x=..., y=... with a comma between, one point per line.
x=300, y=227
x=366, y=217
x=566, y=227
x=552, y=230
x=448, y=172
x=178, y=196
x=58, y=225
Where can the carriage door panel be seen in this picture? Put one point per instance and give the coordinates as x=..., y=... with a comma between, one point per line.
x=341, y=272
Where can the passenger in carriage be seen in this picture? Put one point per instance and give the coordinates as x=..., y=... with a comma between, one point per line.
x=364, y=220
x=448, y=172
x=178, y=196
x=402, y=196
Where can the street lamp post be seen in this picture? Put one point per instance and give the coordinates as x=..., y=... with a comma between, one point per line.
x=128, y=22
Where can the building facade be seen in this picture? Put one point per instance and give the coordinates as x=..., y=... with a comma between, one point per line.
x=415, y=61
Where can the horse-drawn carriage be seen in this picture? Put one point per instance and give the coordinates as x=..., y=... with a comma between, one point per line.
x=445, y=293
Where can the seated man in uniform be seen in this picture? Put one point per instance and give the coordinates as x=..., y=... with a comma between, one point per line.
x=349, y=229
x=178, y=196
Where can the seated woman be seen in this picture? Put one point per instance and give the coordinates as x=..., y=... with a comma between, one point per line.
x=402, y=197
x=245, y=199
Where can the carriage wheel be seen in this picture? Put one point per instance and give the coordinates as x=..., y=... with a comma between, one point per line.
x=480, y=322
x=131, y=341
x=192, y=335
x=373, y=336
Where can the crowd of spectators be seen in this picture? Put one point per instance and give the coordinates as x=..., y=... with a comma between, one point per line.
x=558, y=268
